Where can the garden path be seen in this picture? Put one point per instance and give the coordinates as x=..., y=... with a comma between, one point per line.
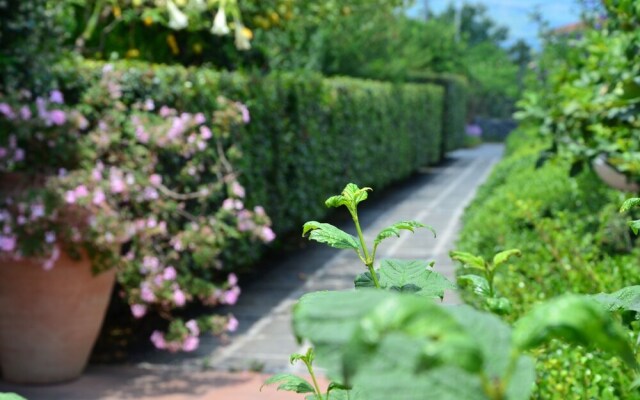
x=437, y=197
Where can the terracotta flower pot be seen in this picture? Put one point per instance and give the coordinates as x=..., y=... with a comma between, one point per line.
x=49, y=320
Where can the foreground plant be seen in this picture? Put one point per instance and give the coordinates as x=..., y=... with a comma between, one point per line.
x=389, y=339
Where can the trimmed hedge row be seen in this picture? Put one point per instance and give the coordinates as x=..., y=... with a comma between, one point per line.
x=309, y=135
x=454, y=117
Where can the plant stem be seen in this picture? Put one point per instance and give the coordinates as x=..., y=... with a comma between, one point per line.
x=369, y=260
x=313, y=378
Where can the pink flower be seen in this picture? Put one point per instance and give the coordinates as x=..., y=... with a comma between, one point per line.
x=7, y=243
x=49, y=263
x=25, y=113
x=138, y=310
x=56, y=97
x=3, y=152
x=227, y=204
x=205, y=133
x=70, y=197
x=146, y=293
x=98, y=197
x=232, y=324
x=267, y=234
x=37, y=210
x=50, y=237
x=157, y=338
x=192, y=325
x=232, y=279
x=149, y=105
x=165, y=111
x=238, y=205
x=237, y=189
x=21, y=220
x=150, y=264
x=6, y=110
x=81, y=191
x=116, y=184
x=155, y=180
x=246, y=117
x=190, y=343
x=169, y=273
x=231, y=295
x=150, y=193
x=199, y=119
x=179, y=297
x=259, y=210
x=18, y=155
x=141, y=134
x=57, y=117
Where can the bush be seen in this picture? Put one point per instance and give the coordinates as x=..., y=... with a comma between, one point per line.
x=308, y=135
x=572, y=240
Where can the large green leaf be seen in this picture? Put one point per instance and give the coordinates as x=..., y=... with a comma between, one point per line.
x=504, y=256
x=626, y=299
x=289, y=383
x=443, y=383
x=577, y=320
x=635, y=226
x=413, y=276
x=328, y=320
x=329, y=234
x=468, y=259
x=394, y=230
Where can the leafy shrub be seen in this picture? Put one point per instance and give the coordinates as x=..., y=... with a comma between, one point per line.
x=572, y=241
x=589, y=101
x=307, y=133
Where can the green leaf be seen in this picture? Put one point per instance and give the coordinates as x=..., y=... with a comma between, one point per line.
x=478, y=283
x=394, y=230
x=635, y=226
x=413, y=276
x=328, y=320
x=577, y=320
x=626, y=299
x=365, y=280
x=350, y=197
x=499, y=305
x=329, y=234
x=522, y=380
x=11, y=396
x=468, y=259
x=504, y=256
x=629, y=204
x=289, y=383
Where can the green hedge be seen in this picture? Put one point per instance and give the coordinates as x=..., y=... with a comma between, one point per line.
x=573, y=241
x=308, y=135
x=454, y=117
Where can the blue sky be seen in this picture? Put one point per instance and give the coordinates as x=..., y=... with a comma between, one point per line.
x=515, y=13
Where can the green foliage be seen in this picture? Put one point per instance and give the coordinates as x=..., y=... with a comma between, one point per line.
x=290, y=383
x=590, y=93
x=307, y=134
x=572, y=239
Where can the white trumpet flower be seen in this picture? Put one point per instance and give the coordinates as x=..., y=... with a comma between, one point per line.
x=220, y=26
x=177, y=19
x=243, y=37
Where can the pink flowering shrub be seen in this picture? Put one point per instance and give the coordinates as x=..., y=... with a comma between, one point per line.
x=141, y=187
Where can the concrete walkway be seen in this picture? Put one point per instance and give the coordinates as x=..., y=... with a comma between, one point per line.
x=436, y=197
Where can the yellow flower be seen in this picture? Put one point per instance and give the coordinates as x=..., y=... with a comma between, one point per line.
x=117, y=11
x=173, y=44
x=133, y=53
x=148, y=21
